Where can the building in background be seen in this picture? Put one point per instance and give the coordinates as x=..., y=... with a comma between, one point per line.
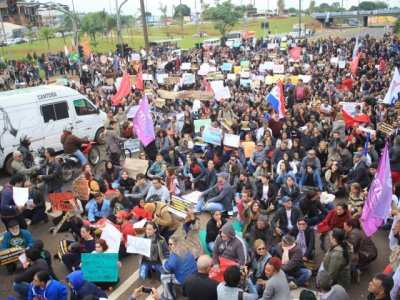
x=26, y=14
x=53, y=18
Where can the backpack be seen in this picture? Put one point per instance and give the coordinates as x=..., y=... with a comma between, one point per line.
x=101, y=182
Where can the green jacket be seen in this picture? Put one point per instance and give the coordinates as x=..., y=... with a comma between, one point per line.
x=334, y=263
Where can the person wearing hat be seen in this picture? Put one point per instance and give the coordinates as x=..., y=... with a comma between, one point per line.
x=358, y=173
x=287, y=217
x=19, y=167
x=257, y=157
x=15, y=237
x=219, y=196
x=53, y=175
x=126, y=228
x=291, y=254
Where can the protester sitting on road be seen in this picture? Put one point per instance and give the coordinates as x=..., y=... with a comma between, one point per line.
x=140, y=190
x=43, y=285
x=260, y=258
x=311, y=207
x=126, y=182
x=126, y=228
x=158, y=253
x=156, y=167
x=287, y=217
x=158, y=191
x=80, y=288
x=15, y=237
x=119, y=203
x=99, y=209
x=380, y=287
x=305, y=237
x=329, y=291
x=36, y=210
x=140, y=213
x=213, y=228
x=276, y=287
x=229, y=288
x=111, y=174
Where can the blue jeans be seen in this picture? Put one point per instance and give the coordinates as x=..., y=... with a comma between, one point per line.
x=210, y=246
x=251, y=168
x=78, y=153
x=147, y=266
x=316, y=219
x=56, y=190
x=209, y=206
x=22, y=289
x=301, y=276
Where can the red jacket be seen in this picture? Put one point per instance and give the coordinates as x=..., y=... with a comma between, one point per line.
x=126, y=230
x=141, y=213
x=333, y=220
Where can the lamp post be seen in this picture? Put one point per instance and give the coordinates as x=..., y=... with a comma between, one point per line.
x=341, y=18
x=4, y=33
x=145, y=33
x=299, y=19
x=118, y=12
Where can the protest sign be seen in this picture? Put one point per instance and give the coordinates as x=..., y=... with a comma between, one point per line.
x=226, y=124
x=10, y=255
x=81, y=189
x=385, y=128
x=161, y=78
x=334, y=60
x=305, y=78
x=186, y=66
x=272, y=46
x=277, y=77
x=212, y=135
x=237, y=69
x=112, y=236
x=100, y=267
x=342, y=64
x=201, y=122
x=179, y=206
x=226, y=67
x=61, y=201
x=231, y=76
x=222, y=93
x=188, y=78
x=245, y=82
x=249, y=148
x=255, y=84
x=244, y=74
x=245, y=63
x=192, y=197
x=216, y=84
x=138, y=245
x=172, y=80
x=135, y=57
x=278, y=69
x=132, y=112
x=350, y=107
x=368, y=130
x=133, y=145
x=135, y=166
x=20, y=195
x=231, y=140
x=269, y=79
x=148, y=77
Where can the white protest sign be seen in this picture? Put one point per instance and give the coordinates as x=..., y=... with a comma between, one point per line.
x=135, y=57
x=350, y=107
x=133, y=145
x=231, y=76
x=272, y=46
x=138, y=245
x=132, y=112
x=20, y=195
x=161, y=77
x=188, y=78
x=334, y=60
x=278, y=69
x=368, y=130
x=148, y=77
x=185, y=66
x=231, y=140
x=222, y=92
x=196, y=105
x=342, y=64
x=305, y=78
x=216, y=84
x=192, y=197
x=140, y=224
x=245, y=74
x=113, y=238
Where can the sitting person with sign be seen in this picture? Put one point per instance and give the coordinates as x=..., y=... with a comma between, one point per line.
x=125, y=227
x=14, y=240
x=36, y=206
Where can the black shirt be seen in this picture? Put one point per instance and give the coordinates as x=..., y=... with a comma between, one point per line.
x=199, y=287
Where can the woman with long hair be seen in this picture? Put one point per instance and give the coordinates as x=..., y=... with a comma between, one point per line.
x=263, y=169
x=261, y=256
x=250, y=216
x=179, y=265
x=290, y=189
x=172, y=183
x=337, y=260
x=213, y=227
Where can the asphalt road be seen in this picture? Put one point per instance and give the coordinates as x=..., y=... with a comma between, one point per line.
x=129, y=272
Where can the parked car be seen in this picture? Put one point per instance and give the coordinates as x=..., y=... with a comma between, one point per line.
x=199, y=35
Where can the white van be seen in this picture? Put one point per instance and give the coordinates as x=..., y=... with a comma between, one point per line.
x=41, y=113
x=212, y=42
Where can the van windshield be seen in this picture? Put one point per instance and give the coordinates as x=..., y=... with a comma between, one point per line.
x=83, y=107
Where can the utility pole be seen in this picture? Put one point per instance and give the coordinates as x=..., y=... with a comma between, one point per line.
x=180, y=6
x=4, y=33
x=341, y=18
x=144, y=24
x=299, y=19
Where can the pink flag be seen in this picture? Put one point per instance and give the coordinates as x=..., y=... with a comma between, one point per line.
x=379, y=199
x=143, y=124
x=123, y=90
x=295, y=53
x=139, y=83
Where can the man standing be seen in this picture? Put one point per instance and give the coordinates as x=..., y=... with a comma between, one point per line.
x=52, y=177
x=199, y=286
x=19, y=167
x=112, y=140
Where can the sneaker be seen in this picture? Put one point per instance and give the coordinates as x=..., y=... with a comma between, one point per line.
x=292, y=285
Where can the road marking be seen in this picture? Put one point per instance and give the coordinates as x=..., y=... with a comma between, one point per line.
x=124, y=286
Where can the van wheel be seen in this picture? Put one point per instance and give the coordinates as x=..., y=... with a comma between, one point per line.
x=7, y=165
x=99, y=138
x=67, y=173
x=94, y=156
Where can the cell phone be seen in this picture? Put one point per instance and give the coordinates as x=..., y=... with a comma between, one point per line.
x=146, y=290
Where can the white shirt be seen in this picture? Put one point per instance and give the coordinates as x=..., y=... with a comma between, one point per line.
x=289, y=214
x=265, y=192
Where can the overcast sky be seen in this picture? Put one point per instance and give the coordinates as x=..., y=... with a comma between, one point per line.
x=131, y=7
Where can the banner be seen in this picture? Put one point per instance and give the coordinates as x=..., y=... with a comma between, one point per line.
x=212, y=135
x=201, y=122
x=172, y=80
x=61, y=201
x=143, y=124
x=231, y=140
x=10, y=255
x=138, y=245
x=133, y=145
x=226, y=67
x=179, y=206
x=205, y=96
x=81, y=189
x=100, y=267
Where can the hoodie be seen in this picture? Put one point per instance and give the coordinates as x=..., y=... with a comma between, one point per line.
x=234, y=249
x=54, y=290
x=82, y=288
x=266, y=234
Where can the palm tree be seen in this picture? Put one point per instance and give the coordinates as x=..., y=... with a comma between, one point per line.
x=281, y=7
x=46, y=33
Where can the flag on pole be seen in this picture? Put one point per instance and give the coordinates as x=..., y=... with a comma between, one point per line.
x=139, y=83
x=355, y=49
x=277, y=99
x=379, y=199
x=350, y=120
x=354, y=64
x=123, y=90
x=394, y=89
x=295, y=53
x=143, y=124
x=366, y=144
x=66, y=50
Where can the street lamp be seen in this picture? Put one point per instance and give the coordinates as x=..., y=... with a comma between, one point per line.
x=299, y=19
x=144, y=23
x=120, y=42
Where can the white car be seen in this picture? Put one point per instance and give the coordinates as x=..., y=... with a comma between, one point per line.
x=199, y=35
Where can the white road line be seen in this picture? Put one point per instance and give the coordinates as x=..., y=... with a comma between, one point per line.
x=124, y=286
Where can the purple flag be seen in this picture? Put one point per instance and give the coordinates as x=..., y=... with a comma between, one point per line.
x=143, y=124
x=379, y=199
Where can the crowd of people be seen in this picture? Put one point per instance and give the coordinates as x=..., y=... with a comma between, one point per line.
x=300, y=185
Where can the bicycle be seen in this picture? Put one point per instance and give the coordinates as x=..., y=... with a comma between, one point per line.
x=101, y=165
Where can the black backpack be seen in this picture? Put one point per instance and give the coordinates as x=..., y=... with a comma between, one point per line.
x=101, y=182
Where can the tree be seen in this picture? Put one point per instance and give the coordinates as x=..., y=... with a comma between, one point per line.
x=92, y=23
x=281, y=7
x=163, y=10
x=311, y=7
x=46, y=32
x=369, y=5
x=182, y=10
x=396, y=27
x=225, y=16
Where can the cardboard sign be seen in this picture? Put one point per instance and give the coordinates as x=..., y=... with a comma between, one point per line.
x=278, y=69
x=334, y=60
x=100, y=267
x=231, y=76
x=159, y=102
x=133, y=145
x=172, y=80
x=249, y=148
x=244, y=74
x=231, y=140
x=201, y=122
x=10, y=255
x=81, y=189
x=138, y=245
x=272, y=46
x=222, y=93
x=192, y=197
x=135, y=166
x=60, y=201
x=212, y=135
x=179, y=206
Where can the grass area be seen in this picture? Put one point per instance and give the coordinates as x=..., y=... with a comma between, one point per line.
x=134, y=37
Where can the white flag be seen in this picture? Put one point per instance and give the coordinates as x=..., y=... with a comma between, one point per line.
x=394, y=89
x=355, y=50
x=66, y=50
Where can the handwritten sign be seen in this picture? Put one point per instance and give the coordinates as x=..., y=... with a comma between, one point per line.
x=138, y=245
x=278, y=69
x=179, y=206
x=227, y=67
x=133, y=145
x=172, y=80
x=245, y=63
x=237, y=69
x=60, y=201
x=161, y=78
x=148, y=77
x=81, y=189
x=112, y=236
x=20, y=195
x=249, y=148
x=231, y=140
x=10, y=255
x=201, y=122
x=188, y=78
x=186, y=66
x=100, y=267
x=231, y=76
x=212, y=135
